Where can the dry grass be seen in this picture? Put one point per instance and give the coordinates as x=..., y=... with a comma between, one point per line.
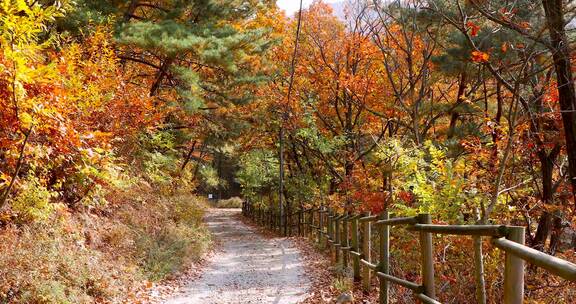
x=233, y=202
x=101, y=255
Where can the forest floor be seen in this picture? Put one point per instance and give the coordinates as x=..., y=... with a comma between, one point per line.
x=247, y=267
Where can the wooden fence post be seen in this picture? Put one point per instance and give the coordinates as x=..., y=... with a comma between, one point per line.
x=303, y=215
x=330, y=232
x=315, y=219
x=290, y=222
x=277, y=222
x=366, y=254
x=311, y=229
x=514, y=270
x=280, y=221
x=260, y=217
x=384, y=265
x=287, y=222
x=345, y=242
x=320, y=224
x=337, y=244
x=306, y=223
x=286, y=228
x=355, y=247
x=427, y=258
x=300, y=221
x=310, y=224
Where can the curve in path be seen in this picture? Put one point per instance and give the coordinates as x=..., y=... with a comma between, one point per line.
x=249, y=268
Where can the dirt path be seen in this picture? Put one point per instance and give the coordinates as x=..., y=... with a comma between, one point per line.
x=248, y=268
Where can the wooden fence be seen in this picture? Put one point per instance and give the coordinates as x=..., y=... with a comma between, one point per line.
x=350, y=237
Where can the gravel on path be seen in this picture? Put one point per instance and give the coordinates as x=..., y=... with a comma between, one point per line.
x=248, y=268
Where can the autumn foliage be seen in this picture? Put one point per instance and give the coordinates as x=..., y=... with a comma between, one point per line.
x=421, y=107
x=114, y=114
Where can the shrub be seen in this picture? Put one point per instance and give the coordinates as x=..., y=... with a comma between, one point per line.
x=47, y=264
x=169, y=250
x=343, y=284
x=102, y=255
x=168, y=233
x=32, y=203
x=234, y=202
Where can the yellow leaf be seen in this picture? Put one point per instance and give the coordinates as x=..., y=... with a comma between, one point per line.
x=26, y=120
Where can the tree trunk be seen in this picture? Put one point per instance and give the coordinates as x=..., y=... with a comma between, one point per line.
x=496, y=133
x=160, y=75
x=557, y=229
x=130, y=11
x=545, y=221
x=188, y=156
x=349, y=170
x=19, y=164
x=564, y=80
x=281, y=177
x=454, y=116
x=544, y=227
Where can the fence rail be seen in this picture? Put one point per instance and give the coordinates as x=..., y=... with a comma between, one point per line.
x=349, y=237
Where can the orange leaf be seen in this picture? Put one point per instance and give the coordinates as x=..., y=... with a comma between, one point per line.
x=524, y=25
x=481, y=57
x=474, y=29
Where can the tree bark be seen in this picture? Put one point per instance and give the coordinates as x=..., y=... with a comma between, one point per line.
x=188, y=156
x=284, y=118
x=557, y=228
x=454, y=116
x=160, y=75
x=564, y=80
x=546, y=219
x=19, y=164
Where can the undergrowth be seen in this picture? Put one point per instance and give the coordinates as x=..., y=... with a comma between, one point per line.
x=101, y=255
x=233, y=202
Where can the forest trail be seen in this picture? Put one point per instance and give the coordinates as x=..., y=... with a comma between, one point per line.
x=248, y=267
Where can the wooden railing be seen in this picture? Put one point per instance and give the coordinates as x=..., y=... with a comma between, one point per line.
x=350, y=236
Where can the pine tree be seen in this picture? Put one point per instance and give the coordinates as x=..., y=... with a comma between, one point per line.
x=194, y=53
